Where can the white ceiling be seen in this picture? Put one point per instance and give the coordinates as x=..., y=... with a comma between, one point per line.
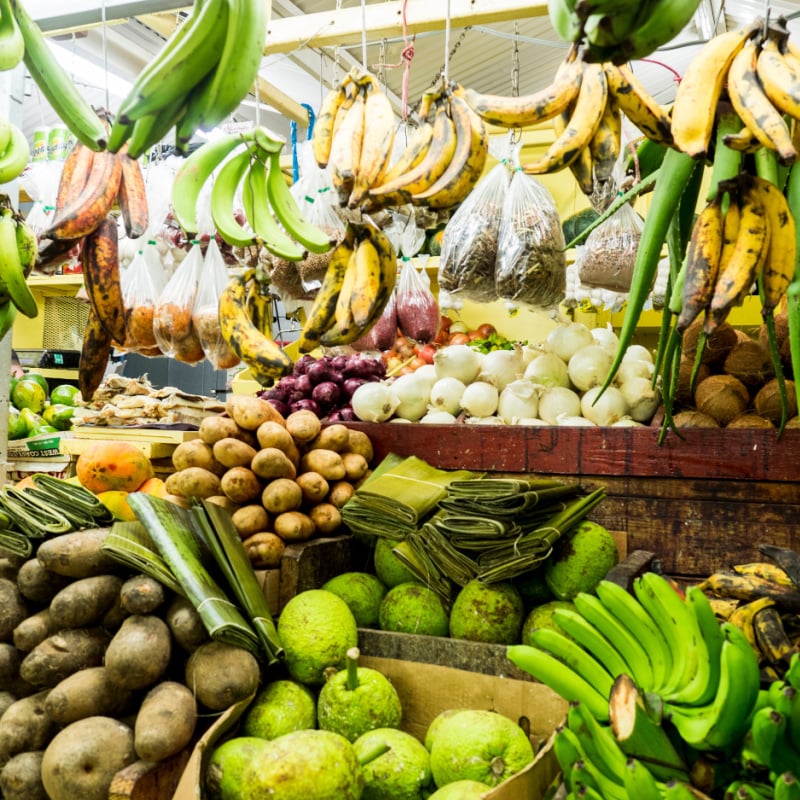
x=482, y=56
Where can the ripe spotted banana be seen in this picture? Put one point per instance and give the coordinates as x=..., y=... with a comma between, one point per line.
x=322, y=136
x=132, y=197
x=635, y=102
x=100, y=261
x=346, y=149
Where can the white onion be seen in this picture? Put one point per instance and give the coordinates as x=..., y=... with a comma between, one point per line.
x=547, y=370
x=606, y=337
x=566, y=420
x=446, y=395
x=479, y=399
x=458, y=361
x=604, y=408
x=589, y=366
x=558, y=401
x=642, y=398
x=399, y=419
x=519, y=400
x=438, y=418
x=500, y=367
x=567, y=338
x=413, y=393
x=627, y=422
x=637, y=352
x=484, y=421
x=427, y=372
x=634, y=368
x=530, y=352
x=374, y=401
x=530, y=421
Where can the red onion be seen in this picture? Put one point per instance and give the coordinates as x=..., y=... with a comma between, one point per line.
x=281, y=407
x=364, y=367
x=306, y=404
x=326, y=393
x=302, y=364
x=304, y=384
x=343, y=414
x=320, y=372
x=350, y=385
x=338, y=363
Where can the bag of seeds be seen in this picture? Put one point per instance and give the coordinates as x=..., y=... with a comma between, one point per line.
x=469, y=244
x=609, y=253
x=531, y=268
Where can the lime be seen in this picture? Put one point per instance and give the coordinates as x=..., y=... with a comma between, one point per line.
x=40, y=379
x=31, y=420
x=29, y=394
x=40, y=429
x=66, y=394
x=59, y=415
x=17, y=428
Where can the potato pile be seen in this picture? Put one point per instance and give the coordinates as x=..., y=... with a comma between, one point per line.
x=100, y=668
x=283, y=480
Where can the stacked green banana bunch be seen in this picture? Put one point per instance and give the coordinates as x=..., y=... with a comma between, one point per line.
x=18, y=248
x=14, y=151
x=358, y=283
x=620, y=30
x=248, y=163
x=700, y=678
x=197, y=79
x=585, y=101
x=438, y=168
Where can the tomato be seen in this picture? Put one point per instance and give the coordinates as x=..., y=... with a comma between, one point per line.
x=458, y=338
x=426, y=353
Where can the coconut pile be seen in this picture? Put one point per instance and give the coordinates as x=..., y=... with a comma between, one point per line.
x=735, y=386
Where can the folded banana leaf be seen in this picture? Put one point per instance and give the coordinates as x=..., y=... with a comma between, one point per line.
x=508, y=505
x=215, y=526
x=483, y=487
x=170, y=528
x=15, y=542
x=413, y=553
x=73, y=496
x=450, y=561
x=31, y=515
x=130, y=544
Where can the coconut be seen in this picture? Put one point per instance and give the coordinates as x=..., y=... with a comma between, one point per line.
x=694, y=419
x=750, y=363
x=722, y=397
x=768, y=400
x=750, y=421
x=683, y=393
x=718, y=343
x=782, y=337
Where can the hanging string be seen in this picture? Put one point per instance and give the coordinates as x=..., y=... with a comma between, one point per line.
x=105, y=51
x=405, y=61
x=364, y=34
x=446, y=72
x=516, y=133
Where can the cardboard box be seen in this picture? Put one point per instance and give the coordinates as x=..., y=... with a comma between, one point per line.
x=45, y=445
x=19, y=468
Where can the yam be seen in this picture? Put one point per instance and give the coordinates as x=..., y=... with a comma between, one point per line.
x=141, y=594
x=86, y=693
x=250, y=519
x=166, y=721
x=196, y=453
x=326, y=517
x=83, y=758
x=10, y=658
x=213, y=428
x=77, y=555
x=273, y=434
x=333, y=437
x=232, y=452
x=62, y=654
x=360, y=443
x=25, y=726
x=139, y=652
x=240, y=485
x=264, y=549
x=33, y=630
x=193, y=482
x=185, y=624
x=85, y=602
x=269, y=463
x=313, y=486
x=327, y=463
x=221, y=674
x=251, y=412
x=21, y=777
x=281, y=495
x=37, y=583
x=341, y=492
x=304, y=426
x=12, y=608
x=355, y=466
x=294, y=526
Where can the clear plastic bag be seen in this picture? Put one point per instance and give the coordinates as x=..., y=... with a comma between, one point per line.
x=470, y=241
x=608, y=256
x=382, y=335
x=418, y=314
x=172, y=321
x=531, y=268
x=142, y=282
x=205, y=316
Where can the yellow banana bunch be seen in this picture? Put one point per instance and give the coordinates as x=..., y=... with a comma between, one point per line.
x=443, y=160
x=358, y=283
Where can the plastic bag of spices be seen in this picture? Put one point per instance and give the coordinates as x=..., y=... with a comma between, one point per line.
x=172, y=322
x=205, y=315
x=609, y=253
x=142, y=282
x=531, y=268
x=417, y=310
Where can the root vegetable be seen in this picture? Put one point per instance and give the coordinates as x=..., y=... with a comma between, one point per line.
x=273, y=434
x=85, y=602
x=165, y=722
x=77, y=555
x=264, y=549
x=25, y=726
x=232, y=452
x=270, y=462
x=193, y=482
x=326, y=517
x=62, y=654
x=213, y=428
x=250, y=519
x=139, y=652
x=33, y=630
x=12, y=608
x=313, y=486
x=355, y=466
x=240, y=485
x=220, y=674
x=185, y=624
x=223, y=501
x=360, y=443
x=37, y=583
x=196, y=453
x=281, y=495
x=86, y=693
x=294, y=526
x=327, y=463
x=21, y=777
x=340, y=493
x=304, y=426
x=333, y=437
x=251, y=412
x=141, y=594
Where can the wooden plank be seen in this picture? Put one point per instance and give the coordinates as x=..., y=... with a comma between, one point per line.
x=344, y=27
x=148, y=780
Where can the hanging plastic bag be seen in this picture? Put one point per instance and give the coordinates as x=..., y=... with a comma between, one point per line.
x=206, y=310
x=381, y=336
x=142, y=282
x=418, y=314
x=531, y=269
x=172, y=322
x=609, y=252
x=469, y=244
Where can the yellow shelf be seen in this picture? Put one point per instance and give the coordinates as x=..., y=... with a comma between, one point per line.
x=55, y=281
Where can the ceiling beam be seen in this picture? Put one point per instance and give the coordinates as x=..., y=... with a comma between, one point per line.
x=383, y=20
x=77, y=14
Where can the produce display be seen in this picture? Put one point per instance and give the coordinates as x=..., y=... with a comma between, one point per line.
x=35, y=409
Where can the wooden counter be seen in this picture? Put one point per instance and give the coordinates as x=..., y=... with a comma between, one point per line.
x=699, y=502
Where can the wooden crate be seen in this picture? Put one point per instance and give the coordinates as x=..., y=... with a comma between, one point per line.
x=698, y=502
